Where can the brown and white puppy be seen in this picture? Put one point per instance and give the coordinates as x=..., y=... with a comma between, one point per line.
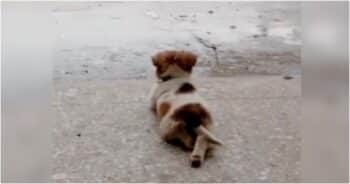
x=182, y=114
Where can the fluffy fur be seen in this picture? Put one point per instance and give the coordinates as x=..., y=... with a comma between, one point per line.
x=182, y=114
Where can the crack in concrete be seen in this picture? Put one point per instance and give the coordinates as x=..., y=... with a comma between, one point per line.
x=209, y=45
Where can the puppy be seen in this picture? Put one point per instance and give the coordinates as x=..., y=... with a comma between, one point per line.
x=182, y=114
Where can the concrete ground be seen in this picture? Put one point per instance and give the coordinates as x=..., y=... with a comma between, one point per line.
x=102, y=72
x=105, y=132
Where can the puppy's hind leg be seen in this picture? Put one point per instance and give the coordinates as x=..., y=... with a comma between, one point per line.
x=200, y=148
x=168, y=130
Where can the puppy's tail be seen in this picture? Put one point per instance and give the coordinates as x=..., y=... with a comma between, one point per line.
x=202, y=130
x=194, y=116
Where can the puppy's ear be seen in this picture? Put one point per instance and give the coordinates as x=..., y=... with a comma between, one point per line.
x=186, y=60
x=164, y=58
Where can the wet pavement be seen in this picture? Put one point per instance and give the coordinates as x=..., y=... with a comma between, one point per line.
x=116, y=40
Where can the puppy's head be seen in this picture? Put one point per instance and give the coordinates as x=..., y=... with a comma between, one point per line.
x=174, y=63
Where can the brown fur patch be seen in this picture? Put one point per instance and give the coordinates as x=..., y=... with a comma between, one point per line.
x=184, y=59
x=163, y=109
x=163, y=60
x=192, y=115
x=186, y=88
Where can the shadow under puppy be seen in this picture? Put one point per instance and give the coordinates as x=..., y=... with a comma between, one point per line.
x=182, y=114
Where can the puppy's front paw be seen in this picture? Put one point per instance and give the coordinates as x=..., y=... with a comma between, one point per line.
x=196, y=161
